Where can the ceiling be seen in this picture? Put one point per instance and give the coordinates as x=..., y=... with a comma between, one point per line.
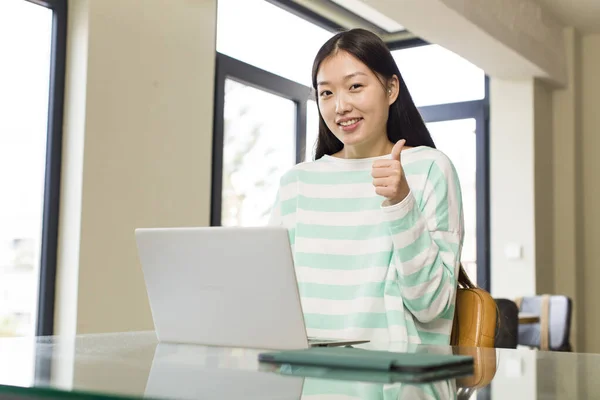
x=582, y=14
x=370, y=14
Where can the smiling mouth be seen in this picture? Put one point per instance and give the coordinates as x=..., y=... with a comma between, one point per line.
x=349, y=122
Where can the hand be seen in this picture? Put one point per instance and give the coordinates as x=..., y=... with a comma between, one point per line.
x=388, y=177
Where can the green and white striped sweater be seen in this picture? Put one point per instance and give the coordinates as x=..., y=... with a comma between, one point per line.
x=368, y=271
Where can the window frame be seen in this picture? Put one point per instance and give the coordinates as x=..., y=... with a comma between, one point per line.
x=52, y=174
x=231, y=68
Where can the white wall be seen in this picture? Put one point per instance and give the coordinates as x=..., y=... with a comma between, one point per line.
x=69, y=230
x=590, y=157
x=137, y=149
x=543, y=188
x=568, y=235
x=576, y=187
x=512, y=195
x=560, y=242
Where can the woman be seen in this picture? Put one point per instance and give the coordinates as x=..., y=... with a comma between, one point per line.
x=376, y=222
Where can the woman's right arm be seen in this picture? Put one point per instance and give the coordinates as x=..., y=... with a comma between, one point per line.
x=283, y=212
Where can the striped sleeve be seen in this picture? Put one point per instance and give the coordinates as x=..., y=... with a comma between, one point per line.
x=284, y=205
x=283, y=212
x=427, y=240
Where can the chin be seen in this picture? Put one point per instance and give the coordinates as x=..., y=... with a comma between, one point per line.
x=351, y=140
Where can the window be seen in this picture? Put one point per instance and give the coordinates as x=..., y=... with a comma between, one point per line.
x=258, y=148
x=273, y=39
x=435, y=75
x=33, y=38
x=263, y=106
x=260, y=132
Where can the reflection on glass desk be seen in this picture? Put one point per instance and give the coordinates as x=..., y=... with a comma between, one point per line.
x=134, y=365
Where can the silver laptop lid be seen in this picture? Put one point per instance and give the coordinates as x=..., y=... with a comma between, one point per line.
x=220, y=286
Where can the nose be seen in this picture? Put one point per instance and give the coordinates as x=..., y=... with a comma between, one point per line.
x=342, y=105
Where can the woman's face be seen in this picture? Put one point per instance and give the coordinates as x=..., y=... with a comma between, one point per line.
x=353, y=101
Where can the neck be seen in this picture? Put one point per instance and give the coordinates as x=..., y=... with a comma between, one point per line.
x=367, y=150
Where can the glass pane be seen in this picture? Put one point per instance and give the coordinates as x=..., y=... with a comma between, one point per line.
x=457, y=140
x=268, y=37
x=25, y=40
x=312, y=129
x=259, y=147
x=435, y=75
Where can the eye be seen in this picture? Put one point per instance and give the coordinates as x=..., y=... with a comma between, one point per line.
x=325, y=93
x=356, y=86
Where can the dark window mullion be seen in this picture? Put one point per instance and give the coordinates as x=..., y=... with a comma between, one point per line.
x=406, y=44
x=49, y=240
x=52, y=176
x=262, y=80
x=218, y=142
x=483, y=192
x=451, y=111
x=482, y=203
x=300, y=131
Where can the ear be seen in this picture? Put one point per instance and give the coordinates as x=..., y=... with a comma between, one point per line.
x=393, y=89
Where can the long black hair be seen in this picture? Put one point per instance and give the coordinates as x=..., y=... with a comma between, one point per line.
x=404, y=120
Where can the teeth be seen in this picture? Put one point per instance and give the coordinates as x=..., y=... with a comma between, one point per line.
x=348, y=123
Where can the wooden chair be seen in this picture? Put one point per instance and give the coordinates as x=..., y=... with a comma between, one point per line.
x=507, y=334
x=553, y=332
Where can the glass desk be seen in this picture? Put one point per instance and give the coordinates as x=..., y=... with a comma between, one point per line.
x=134, y=365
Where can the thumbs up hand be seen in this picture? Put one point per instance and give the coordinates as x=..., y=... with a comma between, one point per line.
x=388, y=177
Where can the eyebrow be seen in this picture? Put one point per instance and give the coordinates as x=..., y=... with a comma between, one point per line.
x=345, y=78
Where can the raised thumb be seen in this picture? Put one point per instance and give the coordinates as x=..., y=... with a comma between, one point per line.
x=397, y=149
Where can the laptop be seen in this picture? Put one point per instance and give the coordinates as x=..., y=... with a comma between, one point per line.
x=225, y=286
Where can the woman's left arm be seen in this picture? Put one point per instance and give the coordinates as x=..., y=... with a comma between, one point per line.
x=428, y=241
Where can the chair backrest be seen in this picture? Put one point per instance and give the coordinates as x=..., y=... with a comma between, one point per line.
x=507, y=332
x=475, y=318
x=554, y=329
